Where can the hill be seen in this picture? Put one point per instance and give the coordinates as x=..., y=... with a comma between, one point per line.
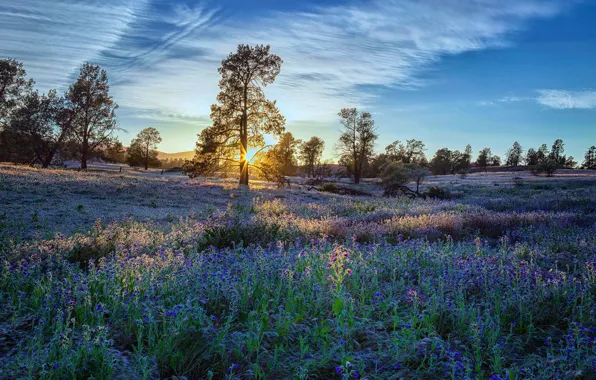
x=171, y=156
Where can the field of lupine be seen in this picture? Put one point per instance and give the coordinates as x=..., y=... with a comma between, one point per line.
x=108, y=275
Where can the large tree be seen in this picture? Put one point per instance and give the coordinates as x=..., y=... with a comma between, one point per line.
x=89, y=100
x=514, y=155
x=143, y=148
x=243, y=115
x=357, y=142
x=13, y=87
x=310, y=153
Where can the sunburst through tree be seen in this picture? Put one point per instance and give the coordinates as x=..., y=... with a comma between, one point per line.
x=242, y=116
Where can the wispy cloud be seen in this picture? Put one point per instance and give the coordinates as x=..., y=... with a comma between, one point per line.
x=514, y=99
x=562, y=99
x=334, y=56
x=55, y=38
x=164, y=57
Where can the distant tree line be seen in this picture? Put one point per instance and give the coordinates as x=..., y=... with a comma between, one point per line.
x=47, y=129
x=243, y=116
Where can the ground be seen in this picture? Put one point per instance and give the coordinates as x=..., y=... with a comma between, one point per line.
x=136, y=274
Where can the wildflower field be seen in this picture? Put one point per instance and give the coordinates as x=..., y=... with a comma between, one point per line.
x=110, y=275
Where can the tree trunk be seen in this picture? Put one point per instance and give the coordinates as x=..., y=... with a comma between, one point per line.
x=243, y=160
x=356, y=178
x=147, y=158
x=48, y=160
x=84, y=153
x=244, y=141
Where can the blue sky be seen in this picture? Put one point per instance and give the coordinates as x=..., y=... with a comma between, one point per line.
x=448, y=72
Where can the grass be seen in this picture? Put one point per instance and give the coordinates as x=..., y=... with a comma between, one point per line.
x=499, y=283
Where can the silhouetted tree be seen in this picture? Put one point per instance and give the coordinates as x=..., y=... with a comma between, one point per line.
x=243, y=114
x=145, y=145
x=441, y=164
x=357, y=142
x=484, y=158
x=461, y=162
x=570, y=163
x=467, y=156
x=549, y=162
x=142, y=149
x=556, y=153
x=542, y=153
x=590, y=159
x=532, y=158
x=514, y=155
x=94, y=122
x=495, y=161
x=310, y=153
x=116, y=152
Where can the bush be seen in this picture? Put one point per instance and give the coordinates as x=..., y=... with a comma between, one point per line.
x=175, y=169
x=547, y=167
x=437, y=192
x=396, y=175
x=330, y=187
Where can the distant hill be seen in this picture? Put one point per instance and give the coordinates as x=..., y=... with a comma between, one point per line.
x=171, y=156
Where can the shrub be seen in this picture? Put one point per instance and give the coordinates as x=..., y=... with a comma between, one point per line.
x=437, y=192
x=547, y=167
x=396, y=175
x=330, y=187
x=175, y=169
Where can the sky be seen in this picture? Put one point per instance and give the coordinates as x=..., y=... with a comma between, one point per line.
x=447, y=72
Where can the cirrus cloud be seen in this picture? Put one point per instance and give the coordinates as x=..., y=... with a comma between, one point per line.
x=563, y=99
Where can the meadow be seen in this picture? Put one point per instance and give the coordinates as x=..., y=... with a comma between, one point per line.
x=134, y=276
